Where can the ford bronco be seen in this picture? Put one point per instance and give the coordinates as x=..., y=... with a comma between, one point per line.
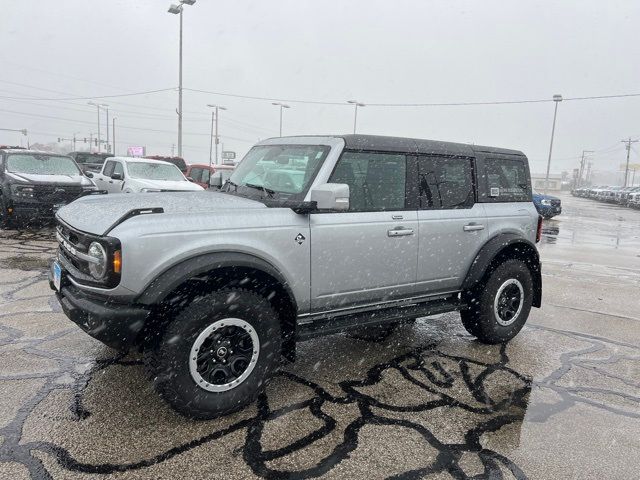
x=309, y=236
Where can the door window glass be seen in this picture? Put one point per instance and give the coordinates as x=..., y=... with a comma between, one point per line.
x=377, y=181
x=445, y=182
x=196, y=174
x=108, y=168
x=205, y=176
x=118, y=169
x=507, y=180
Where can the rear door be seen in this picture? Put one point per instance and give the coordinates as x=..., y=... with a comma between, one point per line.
x=367, y=254
x=452, y=226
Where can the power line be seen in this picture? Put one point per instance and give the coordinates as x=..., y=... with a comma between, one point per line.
x=147, y=92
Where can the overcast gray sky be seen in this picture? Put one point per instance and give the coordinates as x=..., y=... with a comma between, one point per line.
x=374, y=51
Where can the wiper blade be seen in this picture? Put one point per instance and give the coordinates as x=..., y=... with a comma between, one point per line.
x=270, y=193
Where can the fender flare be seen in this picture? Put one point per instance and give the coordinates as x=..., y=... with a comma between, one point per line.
x=492, y=249
x=170, y=279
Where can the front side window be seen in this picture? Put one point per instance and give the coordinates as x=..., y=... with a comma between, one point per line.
x=41, y=164
x=507, y=180
x=119, y=169
x=377, y=181
x=204, y=177
x=278, y=171
x=196, y=174
x=108, y=168
x=445, y=182
x=155, y=171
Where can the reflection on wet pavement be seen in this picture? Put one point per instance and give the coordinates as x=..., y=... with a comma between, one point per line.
x=430, y=401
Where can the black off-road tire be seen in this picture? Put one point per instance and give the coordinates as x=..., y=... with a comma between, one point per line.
x=5, y=222
x=480, y=318
x=168, y=362
x=377, y=333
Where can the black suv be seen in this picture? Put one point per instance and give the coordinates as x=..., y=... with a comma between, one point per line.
x=34, y=184
x=90, y=162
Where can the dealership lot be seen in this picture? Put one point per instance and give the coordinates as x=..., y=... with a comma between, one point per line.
x=560, y=400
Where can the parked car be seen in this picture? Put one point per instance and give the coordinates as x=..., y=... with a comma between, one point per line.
x=634, y=199
x=34, y=184
x=201, y=173
x=369, y=231
x=623, y=195
x=177, y=161
x=90, y=162
x=547, y=205
x=133, y=175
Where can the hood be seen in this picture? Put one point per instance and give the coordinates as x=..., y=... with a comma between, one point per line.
x=180, y=185
x=33, y=178
x=96, y=214
x=542, y=196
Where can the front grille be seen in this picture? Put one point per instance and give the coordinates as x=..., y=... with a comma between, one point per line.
x=56, y=193
x=555, y=203
x=68, y=239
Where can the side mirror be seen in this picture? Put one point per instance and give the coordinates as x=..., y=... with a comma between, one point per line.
x=190, y=179
x=216, y=180
x=88, y=174
x=116, y=176
x=331, y=196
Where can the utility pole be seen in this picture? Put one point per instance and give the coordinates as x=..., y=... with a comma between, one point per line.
x=589, y=171
x=626, y=170
x=113, y=130
x=582, y=166
x=90, y=141
x=215, y=115
x=107, y=142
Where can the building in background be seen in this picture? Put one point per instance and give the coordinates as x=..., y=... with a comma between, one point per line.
x=538, y=182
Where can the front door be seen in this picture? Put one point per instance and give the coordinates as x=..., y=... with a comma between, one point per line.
x=453, y=227
x=369, y=253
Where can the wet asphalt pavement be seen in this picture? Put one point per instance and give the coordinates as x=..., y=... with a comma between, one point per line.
x=562, y=400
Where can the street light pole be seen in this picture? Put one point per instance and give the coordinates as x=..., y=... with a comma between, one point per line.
x=282, y=106
x=113, y=132
x=557, y=99
x=356, y=104
x=626, y=170
x=177, y=9
x=213, y=113
x=215, y=116
x=582, y=166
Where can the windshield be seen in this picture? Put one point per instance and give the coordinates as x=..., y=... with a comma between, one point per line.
x=41, y=164
x=279, y=169
x=155, y=171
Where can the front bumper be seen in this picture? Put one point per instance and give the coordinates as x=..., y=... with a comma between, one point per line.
x=115, y=324
x=549, y=210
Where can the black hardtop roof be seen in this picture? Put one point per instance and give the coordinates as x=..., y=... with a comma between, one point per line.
x=416, y=145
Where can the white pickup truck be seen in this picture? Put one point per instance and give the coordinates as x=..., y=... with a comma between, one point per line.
x=134, y=175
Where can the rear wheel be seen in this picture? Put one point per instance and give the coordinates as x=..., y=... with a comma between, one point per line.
x=499, y=308
x=217, y=354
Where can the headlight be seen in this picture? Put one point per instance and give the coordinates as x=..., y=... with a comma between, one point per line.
x=150, y=190
x=22, y=191
x=98, y=269
x=546, y=202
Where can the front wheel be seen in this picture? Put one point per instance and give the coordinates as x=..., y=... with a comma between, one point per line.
x=498, y=310
x=217, y=354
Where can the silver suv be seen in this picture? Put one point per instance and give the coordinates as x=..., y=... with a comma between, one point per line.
x=309, y=236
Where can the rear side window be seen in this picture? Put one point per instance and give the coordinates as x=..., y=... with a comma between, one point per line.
x=204, y=178
x=108, y=168
x=445, y=183
x=118, y=168
x=377, y=181
x=507, y=180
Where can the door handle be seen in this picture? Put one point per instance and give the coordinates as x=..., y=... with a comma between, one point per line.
x=399, y=232
x=110, y=181
x=472, y=227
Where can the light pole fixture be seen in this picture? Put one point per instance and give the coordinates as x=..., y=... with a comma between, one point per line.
x=556, y=99
x=98, y=107
x=282, y=106
x=214, y=118
x=177, y=10
x=356, y=104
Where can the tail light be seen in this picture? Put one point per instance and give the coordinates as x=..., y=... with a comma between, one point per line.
x=539, y=230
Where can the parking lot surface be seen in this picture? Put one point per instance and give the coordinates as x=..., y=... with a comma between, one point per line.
x=562, y=400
